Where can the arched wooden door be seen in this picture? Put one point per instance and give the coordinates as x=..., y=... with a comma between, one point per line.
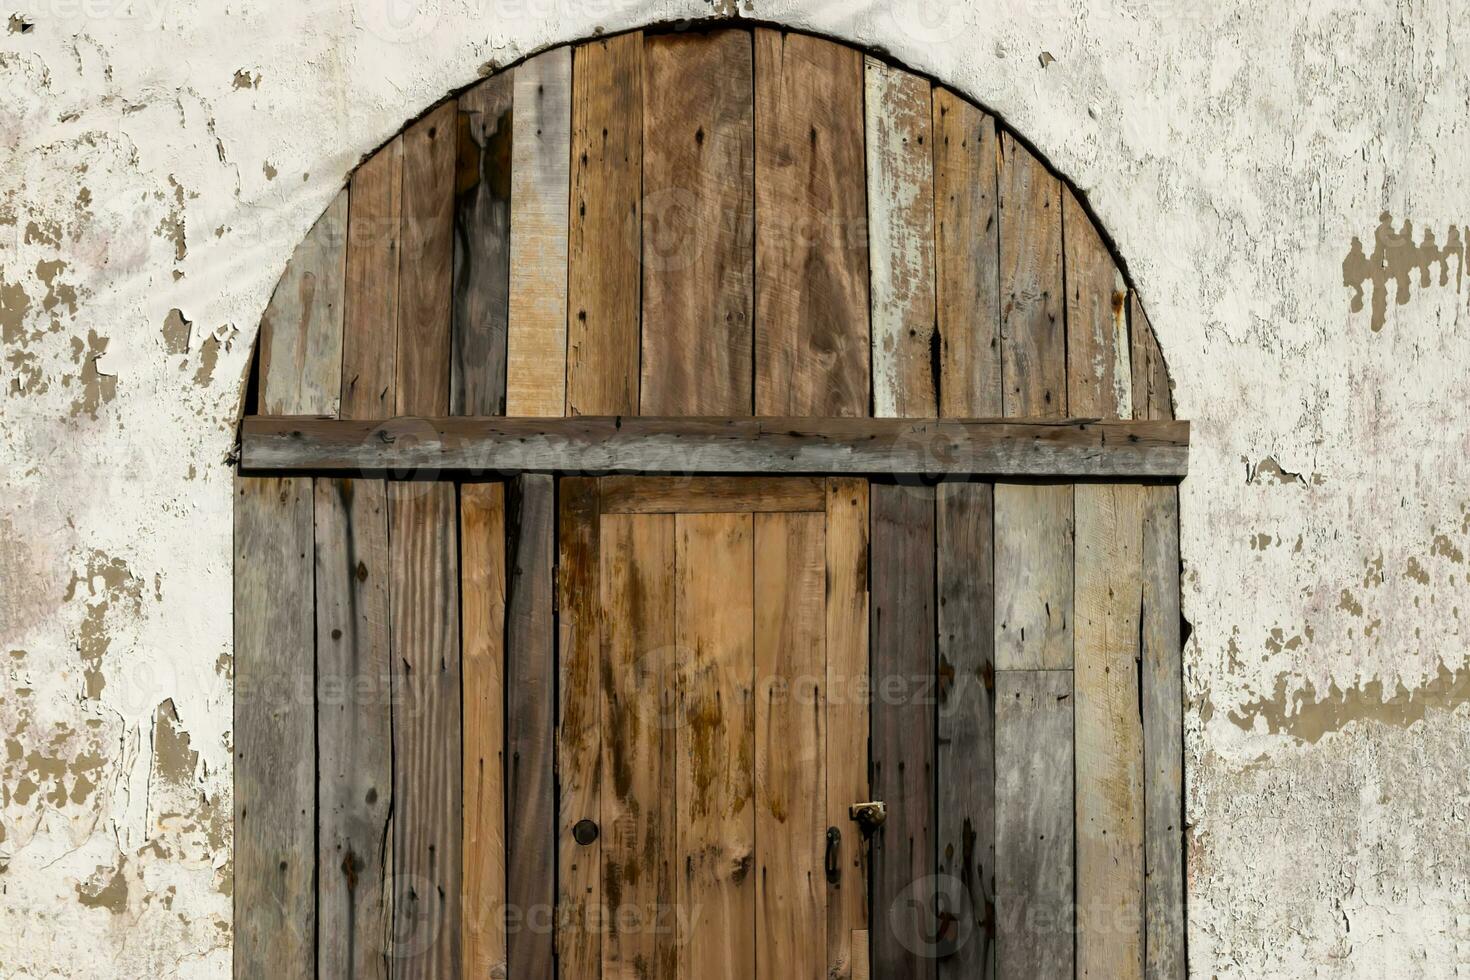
x=500, y=710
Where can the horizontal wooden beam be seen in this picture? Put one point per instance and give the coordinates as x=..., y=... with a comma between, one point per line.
x=1088, y=448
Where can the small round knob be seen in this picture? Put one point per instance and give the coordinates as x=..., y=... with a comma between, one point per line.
x=584, y=832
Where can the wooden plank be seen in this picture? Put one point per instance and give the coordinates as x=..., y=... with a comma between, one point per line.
x=1033, y=334
x=790, y=748
x=275, y=782
x=1163, y=738
x=481, y=292
x=1109, y=734
x=903, y=656
x=1033, y=823
x=716, y=746
x=427, y=799
x=425, y=280
x=1099, y=379
x=579, y=727
x=847, y=718
x=482, y=629
x=354, y=728
x=530, y=684
x=301, y=331
x=370, y=296
x=604, y=281
x=698, y=246
x=1033, y=576
x=638, y=670
x=861, y=962
x=965, y=754
x=536, y=354
x=686, y=446
x=811, y=321
x=1151, y=394
x=711, y=494
x=967, y=257
x=900, y=156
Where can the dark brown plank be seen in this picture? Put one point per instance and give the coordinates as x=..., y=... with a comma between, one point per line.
x=424, y=582
x=902, y=597
x=425, y=279
x=1151, y=393
x=698, y=224
x=965, y=756
x=275, y=781
x=370, y=296
x=603, y=277
x=711, y=494
x=1099, y=380
x=354, y=728
x=1032, y=331
x=481, y=307
x=530, y=819
x=811, y=257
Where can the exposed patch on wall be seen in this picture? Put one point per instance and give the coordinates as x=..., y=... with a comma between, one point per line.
x=106, y=889
x=1270, y=471
x=176, y=331
x=1396, y=257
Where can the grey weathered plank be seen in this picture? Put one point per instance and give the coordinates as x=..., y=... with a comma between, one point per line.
x=426, y=270
x=530, y=819
x=370, y=301
x=275, y=781
x=965, y=756
x=835, y=446
x=1033, y=823
x=1032, y=328
x=354, y=728
x=1033, y=576
x=903, y=665
x=481, y=248
x=1151, y=395
x=1099, y=379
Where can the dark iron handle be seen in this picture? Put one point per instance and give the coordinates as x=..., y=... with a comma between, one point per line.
x=834, y=845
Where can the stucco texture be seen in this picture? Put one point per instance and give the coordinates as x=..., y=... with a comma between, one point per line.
x=159, y=160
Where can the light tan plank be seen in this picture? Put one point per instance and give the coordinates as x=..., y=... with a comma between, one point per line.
x=370, y=297
x=1099, y=379
x=1032, y=330
x=1033, y=576
x=711, y=494
x=425, y=276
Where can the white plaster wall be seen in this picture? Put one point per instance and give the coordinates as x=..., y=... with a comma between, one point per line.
x=157, y=155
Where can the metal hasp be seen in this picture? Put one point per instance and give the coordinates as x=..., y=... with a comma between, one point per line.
x=869, y=816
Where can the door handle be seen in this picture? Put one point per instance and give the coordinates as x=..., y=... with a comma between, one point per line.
x=869, y=816
x=834, y=857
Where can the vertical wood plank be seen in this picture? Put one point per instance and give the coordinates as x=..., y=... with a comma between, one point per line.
x=481, y=292
x=698, y=224
x=900, y=158
x=275, y=782
x=536, y=354
x=482, y=628
x=790, y=805
x=1151, y=396
x=903, y=657
x=847, y=716
x=1033, y=823
x=1163, y=738
x=370, y=296
x=1099, y=380
x=811, y=325
x=579, y=727
x=716, y=751
x=425, y=280
x=604, y=280
x=1109, y=734
x=424, y=638
x=1033, y=334
x=967, y=257
x=354, y=728
x=965, y=755
x=301, y=331
x=530, y=801
x=1033, y=576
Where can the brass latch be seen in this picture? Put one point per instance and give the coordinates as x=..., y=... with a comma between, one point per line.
x=869, y=816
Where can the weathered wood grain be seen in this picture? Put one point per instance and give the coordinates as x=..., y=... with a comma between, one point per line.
x=275, y=791
x=790, y=744
x=1033, y=576
x=481, y=292
x=967, y=256
x=301, y=331
x=716, y=824
x=370, y=295
x=1099, y=378
x=425, y=280
x=482, y=630
x=1109, y=734
x=1151, y=393
x=900, y=158
x=1032, y=329
x=811, y=323
x=698, y=224
x=775, y=446
x=604, y=279
x=965, y=744
x=1033, y=823
x=354, y=730
x=424, y=643
x=536, y=354
x=903, y=658
x=711, y=494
